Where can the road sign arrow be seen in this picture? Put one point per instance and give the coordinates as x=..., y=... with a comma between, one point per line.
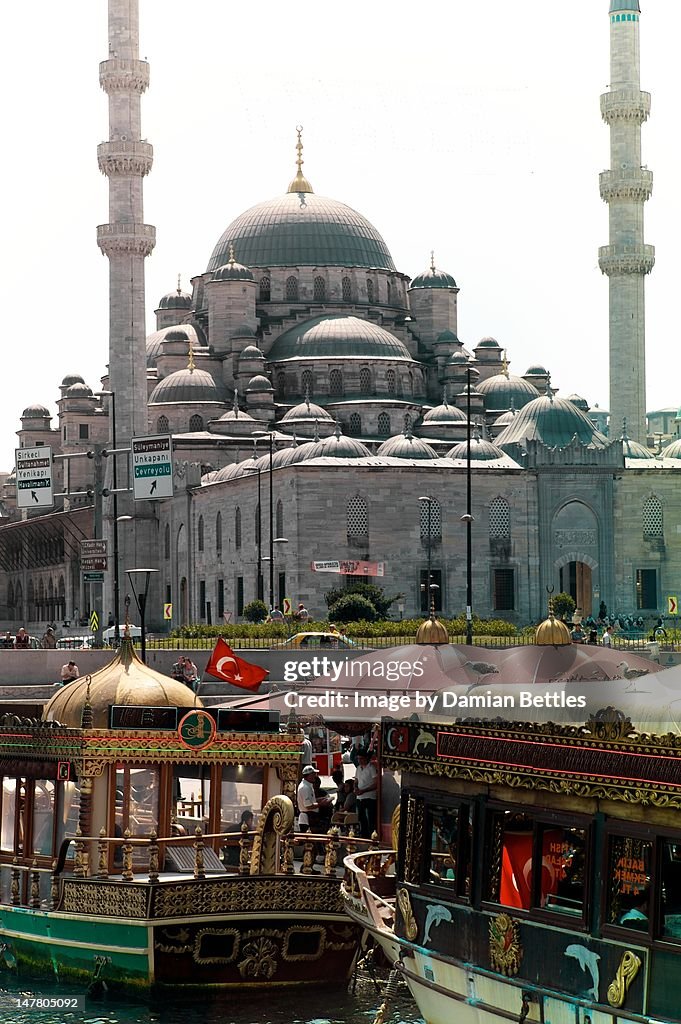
x=34, y=496
x=153, y=486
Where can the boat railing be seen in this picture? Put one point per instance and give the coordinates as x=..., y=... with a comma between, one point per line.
x=370, y=878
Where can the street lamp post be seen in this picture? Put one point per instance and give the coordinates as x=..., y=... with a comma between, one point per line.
x=468, y=517
x=114, y=481
x=429, y=595
x=139, y=581
x=256, y=469
x=270, y=436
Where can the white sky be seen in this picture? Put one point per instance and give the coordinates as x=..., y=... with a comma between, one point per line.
x=469, y=128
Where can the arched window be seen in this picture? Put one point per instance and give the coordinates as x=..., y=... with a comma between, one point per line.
x=162, y=425
x=365, y=380
x=335, y=383
x=280, y=519
x=346, y=285
x=390, y=381
x=292, y=289
x=370, y=290
x=200, y=533
x=435, y=519
x=281, y=384
x=384, y=424
x=652, y=517
x=218, y=533
x=237, y=527
x=357, y=519
x=306, y=382
x=319, y=291
x=499, y=518
x=355, y=424
x=166, y=542
x=196, y=422
x=265, y=288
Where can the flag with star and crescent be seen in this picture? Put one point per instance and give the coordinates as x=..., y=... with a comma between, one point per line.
x=224, y=664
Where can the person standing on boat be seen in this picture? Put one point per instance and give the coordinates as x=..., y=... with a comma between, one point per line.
x=366, y=784
x=308, y=808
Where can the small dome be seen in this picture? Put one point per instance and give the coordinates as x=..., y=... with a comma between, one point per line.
x=536, y=371
x=176, y=300
x=335, y=336
x=461, y=359
x=447, y=335
x=433, y=278
x=78, y=390
x=581, y=403
x=295, y=453
x=306, y=411
x=405, y=446
x=554, y=421
x=481, y=450
x=635, y=450
x=432, y=632
x=444, y=414
x=552, y=633
x=185, y=333
x=232, y=271
x=243, y=331
x=505, y=418
x=504, y=390
x=488, y=343
x=259, y=383
x=71, y=378
x=672, y=451
x=251, y=352
x=187, y=386
x=337, y=446
x=35, y=412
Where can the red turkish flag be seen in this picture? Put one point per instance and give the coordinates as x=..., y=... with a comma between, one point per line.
x=224, y=664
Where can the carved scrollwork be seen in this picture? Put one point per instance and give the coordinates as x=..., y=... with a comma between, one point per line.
x=629, y=967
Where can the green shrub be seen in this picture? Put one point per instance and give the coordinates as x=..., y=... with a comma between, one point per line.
x=563, y=606
x=256, y=611
x=375, y=595
x=351, y=607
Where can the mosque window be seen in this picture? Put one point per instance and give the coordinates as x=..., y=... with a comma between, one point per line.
x=166, y=542
x=390, y=381
x=319, y=290
x=499, y=518
x=162, y=425
x=292, y=289
x=200, y=534
x=370, y=290
x=335, y=383
x=646, y=589
x=306, y=381
x=503, y=590
x=652, y=518
x=347, y=289
x=435, y=517
x=265, y=289
x=384, y=424
x=355, y=424
x=281, y=384
x=237, y=527
x=196, y=422
x=365, y=380
x=218, y=533
x=280, y=519
x=358, y=519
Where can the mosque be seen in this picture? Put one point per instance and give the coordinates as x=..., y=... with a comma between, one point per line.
x=324, y=410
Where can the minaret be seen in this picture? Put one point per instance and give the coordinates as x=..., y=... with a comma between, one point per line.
x=125, y=159
x=625, y=188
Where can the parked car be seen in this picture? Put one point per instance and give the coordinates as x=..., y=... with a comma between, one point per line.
x=75, y=643
x=33, y=642
x=109, y=633
x=310, y=639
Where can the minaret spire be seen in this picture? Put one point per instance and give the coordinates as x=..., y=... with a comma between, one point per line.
x=625, y=188
x=300, y=182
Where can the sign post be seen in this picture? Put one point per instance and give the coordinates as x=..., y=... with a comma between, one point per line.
x=152, y=467
x=34, y=477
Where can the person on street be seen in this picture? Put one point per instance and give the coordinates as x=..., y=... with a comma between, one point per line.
x=69, y=672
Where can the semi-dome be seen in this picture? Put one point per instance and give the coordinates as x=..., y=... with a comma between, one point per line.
x=505, y=389
x=444, y=413
x=635, y=450
x=176, y=300
x=124, y=681
x=405, y=446
x=481, y=450
x=296, y=230
x=233, y=271
x=188, y=385
x=672, y=451
x=433, y=278
x=72, y=378
x=334, y=336
x=337, y=446
x=555, y=421
x=35, y=412
x=306, y=411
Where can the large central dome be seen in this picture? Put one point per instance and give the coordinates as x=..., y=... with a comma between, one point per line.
x=303, y=229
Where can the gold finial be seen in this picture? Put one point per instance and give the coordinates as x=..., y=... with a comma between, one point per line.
x=504, y=363
x=232, y=257
x=179, y=284
x=191, y=365
x=432, y=259
x=300, y=182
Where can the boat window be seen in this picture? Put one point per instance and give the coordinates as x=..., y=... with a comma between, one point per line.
x=136, y=802
x=670, y=866
x=563, y=878
x=448, y=863
x=44, y=793
x=515, y=838
x=9, y=802
x=241, y=791
x=191, y=791
x=629, y=862
x=68, y=813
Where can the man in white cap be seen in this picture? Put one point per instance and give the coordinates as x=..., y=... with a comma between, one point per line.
x=308, y=808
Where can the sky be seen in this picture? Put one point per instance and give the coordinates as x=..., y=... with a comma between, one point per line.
x=470, y=129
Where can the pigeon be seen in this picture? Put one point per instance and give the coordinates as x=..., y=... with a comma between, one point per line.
x=483, y=668
x=588, y=961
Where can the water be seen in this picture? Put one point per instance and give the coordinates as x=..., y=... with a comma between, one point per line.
x=301, y=1007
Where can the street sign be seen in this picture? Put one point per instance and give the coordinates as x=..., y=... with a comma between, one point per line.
x=93, y=556
x=94, y=622
x=34, y=476
x=672, y=605
x=286, y=606
x=167, y=611
x=93, y=577
x=152, y=462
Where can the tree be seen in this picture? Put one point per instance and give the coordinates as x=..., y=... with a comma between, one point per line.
x=375, y=595
x=256, y=611
x=353, y=607
x=563, y=605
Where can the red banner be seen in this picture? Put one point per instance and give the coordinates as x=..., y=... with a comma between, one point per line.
x=350, y=568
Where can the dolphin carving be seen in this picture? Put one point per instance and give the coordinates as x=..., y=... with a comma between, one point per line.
x=434, y=916
x=588, y=961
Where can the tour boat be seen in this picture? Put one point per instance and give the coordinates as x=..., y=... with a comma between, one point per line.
x=538, y=867
x=126, y=858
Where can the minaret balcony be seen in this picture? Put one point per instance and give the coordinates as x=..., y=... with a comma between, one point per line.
x=625, y=105
x=626, y=259
x=116, y=75
x=636, y=184
x=126, y=239
x=119, y=157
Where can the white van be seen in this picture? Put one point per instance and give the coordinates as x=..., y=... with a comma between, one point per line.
x=108, y=634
